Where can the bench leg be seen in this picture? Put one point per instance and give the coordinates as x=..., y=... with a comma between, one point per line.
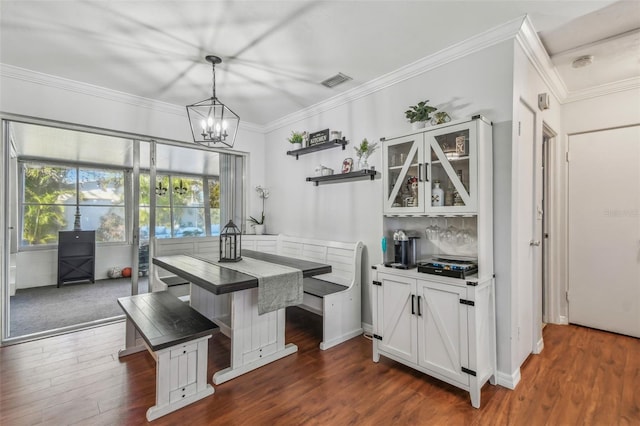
x=133, y=341
x=181, y=377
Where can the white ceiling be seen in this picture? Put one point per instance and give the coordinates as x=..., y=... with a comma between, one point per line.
x=275, y=53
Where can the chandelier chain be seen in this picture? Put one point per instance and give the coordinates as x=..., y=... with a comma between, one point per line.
x=213, y=66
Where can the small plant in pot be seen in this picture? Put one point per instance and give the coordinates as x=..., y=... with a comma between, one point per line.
x=296, y=139
x=363, y=151
x=258, y=224
x=419, y=114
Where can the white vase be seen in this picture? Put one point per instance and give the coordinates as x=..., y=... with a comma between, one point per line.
x=259, y=229
x=417, y=125
x=296, y=146
x=437, y=195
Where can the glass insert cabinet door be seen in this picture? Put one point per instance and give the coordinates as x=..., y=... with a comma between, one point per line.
x=403, y=184
x=451, y=178
x=434, y=172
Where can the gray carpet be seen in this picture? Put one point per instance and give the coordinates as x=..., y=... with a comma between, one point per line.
x=46, y=308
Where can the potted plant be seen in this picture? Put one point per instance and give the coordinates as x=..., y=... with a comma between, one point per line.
x=363, y=151
x=296, y=139
x=419, y=114
x=258, y=225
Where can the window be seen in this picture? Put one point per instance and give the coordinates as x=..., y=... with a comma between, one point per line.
x=52, y=194
x=182, y=207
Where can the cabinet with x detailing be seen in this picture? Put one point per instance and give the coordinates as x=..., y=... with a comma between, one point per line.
x=76, y=256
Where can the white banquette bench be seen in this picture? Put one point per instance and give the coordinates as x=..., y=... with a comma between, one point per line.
x=335, y=296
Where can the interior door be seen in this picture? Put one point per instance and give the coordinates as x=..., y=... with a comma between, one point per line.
x=527, y=241
x=604, y=230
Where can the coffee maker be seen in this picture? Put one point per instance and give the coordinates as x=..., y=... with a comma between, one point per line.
x=405, y=250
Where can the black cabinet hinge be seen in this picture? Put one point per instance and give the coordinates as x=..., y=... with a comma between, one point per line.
x=472, y=283
x=467, y=302
x=375, y=336
x=377, y=282
x=466, y=370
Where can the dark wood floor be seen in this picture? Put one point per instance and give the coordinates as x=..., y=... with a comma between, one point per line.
x=583, y=376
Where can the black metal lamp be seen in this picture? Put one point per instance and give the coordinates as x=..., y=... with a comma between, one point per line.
x=230, y=243
x=212, y=122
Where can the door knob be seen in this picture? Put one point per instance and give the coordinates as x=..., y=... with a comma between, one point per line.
x=534, y=243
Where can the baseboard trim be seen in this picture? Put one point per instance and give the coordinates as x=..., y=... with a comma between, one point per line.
x=539, y=346
x=509, y=381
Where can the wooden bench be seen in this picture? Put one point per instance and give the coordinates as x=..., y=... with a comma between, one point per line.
x=177, y=337
x=336, y=296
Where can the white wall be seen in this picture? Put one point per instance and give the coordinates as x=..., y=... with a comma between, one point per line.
x=38, y=268
x=479, y=83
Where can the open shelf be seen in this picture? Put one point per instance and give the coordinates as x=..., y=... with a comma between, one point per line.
x=318, y=147
x=359, y=174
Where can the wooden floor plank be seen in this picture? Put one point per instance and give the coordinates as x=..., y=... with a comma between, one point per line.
x=583, y=376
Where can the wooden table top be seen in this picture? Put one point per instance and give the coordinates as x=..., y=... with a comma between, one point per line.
x=220, y=280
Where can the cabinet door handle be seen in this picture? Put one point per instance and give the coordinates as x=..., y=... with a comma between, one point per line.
x=419, y=313
x=426, y=172
x=413, y=309
x=420, y=172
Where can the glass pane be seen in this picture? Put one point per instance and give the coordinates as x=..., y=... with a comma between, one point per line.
x=45, y=184
x=403, y=187
x=108, y=222
x=187, y=191
x=101, y=187
x=453, y=181
x=214, y=206
x=163, y=222
x=41, y=223
x=189, y=222
x=163, y=195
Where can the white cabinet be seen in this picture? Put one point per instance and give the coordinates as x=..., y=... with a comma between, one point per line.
x=441, y=326
x=446, y=156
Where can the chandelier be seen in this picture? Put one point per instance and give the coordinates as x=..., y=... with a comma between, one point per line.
x=212, y=122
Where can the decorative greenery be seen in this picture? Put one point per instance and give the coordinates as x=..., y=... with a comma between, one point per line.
x=440, y=117
x=264, y=194
x=419, y=112
x=365, y=148
x=296, y=137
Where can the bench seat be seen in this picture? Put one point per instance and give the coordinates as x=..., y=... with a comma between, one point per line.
x=173, y=280
x=177, y=337
x=320, y=288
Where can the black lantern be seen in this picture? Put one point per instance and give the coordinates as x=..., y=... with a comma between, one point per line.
x=230, y=243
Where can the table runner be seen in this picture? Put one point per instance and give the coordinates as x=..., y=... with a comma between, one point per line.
x=278, y=286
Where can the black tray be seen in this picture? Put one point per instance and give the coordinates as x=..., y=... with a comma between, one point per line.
x=447, y=272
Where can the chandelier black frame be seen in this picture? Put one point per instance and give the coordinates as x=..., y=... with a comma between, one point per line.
x=211, y=121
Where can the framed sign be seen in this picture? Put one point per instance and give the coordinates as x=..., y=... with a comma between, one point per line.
x=319, y=137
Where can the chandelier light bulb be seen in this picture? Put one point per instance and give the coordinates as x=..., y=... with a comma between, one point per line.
x=210, y=122
x=224, y=125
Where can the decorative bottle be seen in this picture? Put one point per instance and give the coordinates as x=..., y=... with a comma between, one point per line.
x=437, y=195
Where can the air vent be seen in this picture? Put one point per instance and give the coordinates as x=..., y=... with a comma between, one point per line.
x=335, y=80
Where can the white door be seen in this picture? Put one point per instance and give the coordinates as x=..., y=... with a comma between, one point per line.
x=604, y=230
x=526, y=236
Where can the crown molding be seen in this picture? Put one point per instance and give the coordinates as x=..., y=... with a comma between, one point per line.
x=532, y=46
x=35, y=77
x=604, y=89
x=496, y=35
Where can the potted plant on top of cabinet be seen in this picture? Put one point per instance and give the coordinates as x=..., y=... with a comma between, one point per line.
x=419, y=114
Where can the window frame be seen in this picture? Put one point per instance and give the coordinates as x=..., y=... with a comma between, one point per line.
x=127, y=183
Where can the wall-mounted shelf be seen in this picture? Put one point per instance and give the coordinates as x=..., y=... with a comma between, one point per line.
x=359, y=174
x=318, y=147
